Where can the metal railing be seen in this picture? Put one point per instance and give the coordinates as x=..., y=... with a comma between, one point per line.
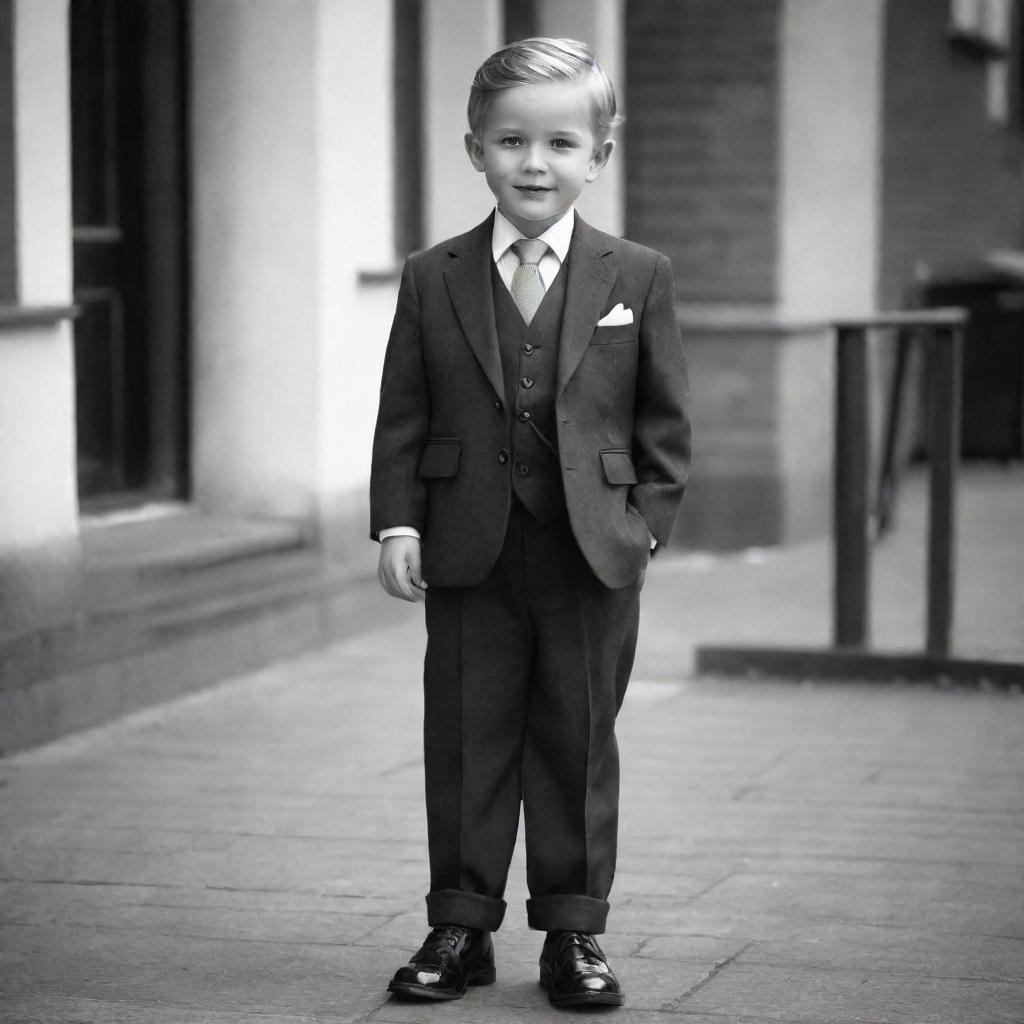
x=850, y=655
x=852, y=510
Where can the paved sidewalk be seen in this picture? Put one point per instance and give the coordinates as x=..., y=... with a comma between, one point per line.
x=790, y=852
x=783, y=595
x=256, y=853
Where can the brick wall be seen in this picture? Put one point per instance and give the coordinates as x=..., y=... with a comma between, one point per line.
x=952, y=184
x=701, y=142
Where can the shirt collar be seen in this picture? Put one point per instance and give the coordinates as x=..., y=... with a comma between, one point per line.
x=557, y=237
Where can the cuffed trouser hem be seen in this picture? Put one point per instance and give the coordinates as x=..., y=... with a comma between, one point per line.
x=567, y=913
x=471, y=910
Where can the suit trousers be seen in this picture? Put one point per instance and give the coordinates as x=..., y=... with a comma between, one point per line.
x=524, y=676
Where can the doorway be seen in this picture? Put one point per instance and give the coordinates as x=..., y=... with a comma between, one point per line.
x=129, y=160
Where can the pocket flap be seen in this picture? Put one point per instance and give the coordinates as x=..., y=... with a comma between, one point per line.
x=618, y=466
x=440, y=458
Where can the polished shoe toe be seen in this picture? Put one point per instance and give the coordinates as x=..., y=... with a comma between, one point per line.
x=575, y=972
x=450, y=960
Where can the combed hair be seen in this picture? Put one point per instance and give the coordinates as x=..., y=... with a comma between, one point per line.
x=539, y=60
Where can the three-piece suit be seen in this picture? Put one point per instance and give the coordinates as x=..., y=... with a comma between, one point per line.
x=538, y=462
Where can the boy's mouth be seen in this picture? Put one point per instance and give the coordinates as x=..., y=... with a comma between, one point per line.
x=532, y=190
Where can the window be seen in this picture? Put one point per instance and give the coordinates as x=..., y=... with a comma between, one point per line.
x=984, y=25
x=986, y=29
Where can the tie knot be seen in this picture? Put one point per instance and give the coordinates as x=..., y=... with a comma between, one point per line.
x=529, y=250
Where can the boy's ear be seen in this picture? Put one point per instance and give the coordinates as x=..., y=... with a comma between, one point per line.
x=475, y=151
x=600, y=158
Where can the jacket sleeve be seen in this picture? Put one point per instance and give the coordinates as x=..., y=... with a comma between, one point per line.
x=397, y=494
x=661, y=435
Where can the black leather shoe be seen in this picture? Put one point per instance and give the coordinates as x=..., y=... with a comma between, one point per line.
x=450, y=960
x=575, y=972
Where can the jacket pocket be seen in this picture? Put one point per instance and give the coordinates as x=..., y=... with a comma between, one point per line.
x=618, y=466
x=440, y=458
x=616, y=334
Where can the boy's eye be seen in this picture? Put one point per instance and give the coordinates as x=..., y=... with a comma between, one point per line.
x=511, y=140
x=561, y=144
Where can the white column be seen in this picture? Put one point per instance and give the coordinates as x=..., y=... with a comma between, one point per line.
x=255, y=281
x=830, y=166
x=356, y=217
x=293, y=179
x=43, y=150
x=458, y=36
x=601, y=23
x=39, y=554
x=38, y=492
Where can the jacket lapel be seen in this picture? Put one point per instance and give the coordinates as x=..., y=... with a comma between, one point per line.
x=591, y=276
x=468, y=275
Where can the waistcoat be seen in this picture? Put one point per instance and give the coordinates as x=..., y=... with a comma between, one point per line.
x=529, y=362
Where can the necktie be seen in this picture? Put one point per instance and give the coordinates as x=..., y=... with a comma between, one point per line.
x=527, y=287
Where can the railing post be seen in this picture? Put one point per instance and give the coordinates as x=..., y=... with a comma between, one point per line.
x=850, y=657
x=852, y=581
x=944, y=400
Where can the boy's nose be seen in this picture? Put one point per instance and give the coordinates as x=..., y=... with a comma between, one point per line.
x=533, y=159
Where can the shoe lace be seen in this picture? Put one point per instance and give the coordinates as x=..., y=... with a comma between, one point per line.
x=442, y=940
x=585, y=941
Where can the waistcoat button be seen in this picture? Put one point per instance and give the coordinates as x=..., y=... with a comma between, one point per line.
x=503, y=456
x=527, y=382
x=522, y=468
x=524, y=416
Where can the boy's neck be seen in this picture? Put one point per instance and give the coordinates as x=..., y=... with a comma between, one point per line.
x=534, y=229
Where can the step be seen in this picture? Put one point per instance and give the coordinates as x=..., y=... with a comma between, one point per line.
x=172, y=604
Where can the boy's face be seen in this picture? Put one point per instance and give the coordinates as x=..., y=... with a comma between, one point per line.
x=538, y=149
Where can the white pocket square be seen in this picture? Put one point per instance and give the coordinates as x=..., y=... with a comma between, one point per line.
x=616, y=317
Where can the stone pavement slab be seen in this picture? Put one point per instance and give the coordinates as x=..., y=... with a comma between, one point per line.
x=64, y=1010
x=256, y=852
x=849, y=995
x=782, y=596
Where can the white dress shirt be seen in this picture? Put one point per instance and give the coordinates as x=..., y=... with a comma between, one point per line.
x=557, y=237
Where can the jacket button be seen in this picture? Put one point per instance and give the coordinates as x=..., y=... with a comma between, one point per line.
x=497, y=406
x=524, y=416
x=503, y=456
x=528, y=349
x=522, y=468
x=527, y=382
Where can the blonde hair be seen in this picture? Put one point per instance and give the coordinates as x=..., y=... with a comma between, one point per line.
x=539, y=60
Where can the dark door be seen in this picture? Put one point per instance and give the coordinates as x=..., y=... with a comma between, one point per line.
x=128, y=172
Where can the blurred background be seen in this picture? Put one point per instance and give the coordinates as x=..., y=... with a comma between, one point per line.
x=204, y=209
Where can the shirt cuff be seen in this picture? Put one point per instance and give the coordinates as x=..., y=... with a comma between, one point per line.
x=398, y=531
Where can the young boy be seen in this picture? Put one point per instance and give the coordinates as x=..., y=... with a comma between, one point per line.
x=532, y=447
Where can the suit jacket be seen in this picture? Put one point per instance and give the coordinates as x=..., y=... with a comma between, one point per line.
x=440, y=451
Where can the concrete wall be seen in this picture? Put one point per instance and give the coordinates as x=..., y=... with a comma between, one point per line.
x=829, y=172
x=38, y=500
x=292, y=169
x=762, y=407
x=356, y=233
x=951, y=175
x=254, y=256
x=829, y=177
x=37, y=443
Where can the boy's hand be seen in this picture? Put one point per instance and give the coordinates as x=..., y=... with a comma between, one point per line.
x=398, y=568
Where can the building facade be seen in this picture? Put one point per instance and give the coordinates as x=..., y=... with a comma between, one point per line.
x=205, y=206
